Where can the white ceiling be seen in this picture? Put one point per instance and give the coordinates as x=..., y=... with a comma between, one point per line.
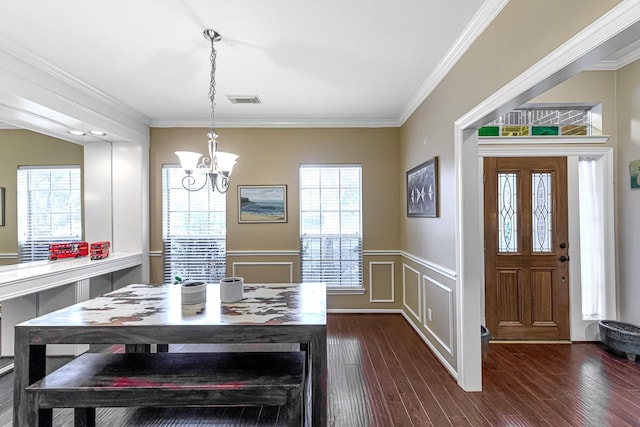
x=330, y=63
x=311, y=63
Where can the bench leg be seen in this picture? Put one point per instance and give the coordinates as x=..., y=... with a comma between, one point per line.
x=84, y=417
x=294, y=407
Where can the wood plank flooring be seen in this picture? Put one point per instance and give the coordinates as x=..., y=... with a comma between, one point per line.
x=382, y=374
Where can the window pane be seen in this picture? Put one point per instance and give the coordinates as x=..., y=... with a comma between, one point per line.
x=507, y=212
x=193, y=231
x=49, y=209
x=542, y=209
x=330, y=224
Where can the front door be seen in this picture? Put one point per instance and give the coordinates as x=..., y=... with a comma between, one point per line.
x=526, y=248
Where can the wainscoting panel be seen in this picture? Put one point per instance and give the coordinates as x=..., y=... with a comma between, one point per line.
x=438, y=309
x=381, y=281
x=411, y=291
x=264, y=272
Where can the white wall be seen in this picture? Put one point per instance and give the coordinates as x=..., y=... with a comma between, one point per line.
x=628, y=114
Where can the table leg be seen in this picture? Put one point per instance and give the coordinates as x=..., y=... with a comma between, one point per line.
x=318, y=353
x=137, y=348
x=29, y=365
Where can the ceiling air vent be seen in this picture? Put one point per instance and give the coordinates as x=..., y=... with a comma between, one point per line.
x=237, y=99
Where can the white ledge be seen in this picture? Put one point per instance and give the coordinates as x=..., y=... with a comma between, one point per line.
x=24, y=279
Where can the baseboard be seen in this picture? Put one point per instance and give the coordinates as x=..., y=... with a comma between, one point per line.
x=433, y=348
x=365, y=310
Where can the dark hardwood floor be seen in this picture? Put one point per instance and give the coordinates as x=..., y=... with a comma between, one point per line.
x=382, y=374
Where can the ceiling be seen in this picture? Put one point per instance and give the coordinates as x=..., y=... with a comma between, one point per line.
x=331, y=63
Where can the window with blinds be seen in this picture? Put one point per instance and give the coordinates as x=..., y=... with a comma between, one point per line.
x=193, y=230
x=331, y=224
x=49, y=209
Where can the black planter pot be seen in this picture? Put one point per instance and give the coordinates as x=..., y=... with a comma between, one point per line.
x=620, y=336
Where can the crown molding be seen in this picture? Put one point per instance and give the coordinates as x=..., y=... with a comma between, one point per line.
x=60, y=97
x=264, y=123
x=482, y=19
x=616, y=64
x=23, y=55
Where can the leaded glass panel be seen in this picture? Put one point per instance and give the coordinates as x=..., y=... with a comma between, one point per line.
x=542, y=210
x=515, y=130
x=574, y=130
x=507, y=212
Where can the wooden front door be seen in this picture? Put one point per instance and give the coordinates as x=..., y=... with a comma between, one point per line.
x=526, y=248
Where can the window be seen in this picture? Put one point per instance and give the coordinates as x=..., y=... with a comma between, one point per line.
x=49, y=209
x=193, y=231
x=542, y=120
x=330, y=224
x=592, y=238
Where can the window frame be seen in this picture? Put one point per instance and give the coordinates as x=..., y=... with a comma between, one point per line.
x=36, y=243
x=348, y=288
x=194, y=243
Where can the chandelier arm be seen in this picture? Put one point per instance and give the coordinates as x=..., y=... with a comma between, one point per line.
x=190, y=180
x=222, y=183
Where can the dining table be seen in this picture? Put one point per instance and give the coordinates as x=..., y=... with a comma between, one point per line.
x=138, y=316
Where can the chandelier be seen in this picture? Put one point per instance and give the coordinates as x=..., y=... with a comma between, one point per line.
x=215, y=169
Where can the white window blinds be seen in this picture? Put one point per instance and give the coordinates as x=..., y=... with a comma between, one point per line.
x=193, y=231
x=49, y=209
x=330, y=224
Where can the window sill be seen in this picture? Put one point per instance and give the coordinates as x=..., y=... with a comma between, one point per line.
x=345, y=290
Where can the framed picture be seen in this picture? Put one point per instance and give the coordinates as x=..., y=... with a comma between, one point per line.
x=1, y=206
x=262, y=203
x=422, y=190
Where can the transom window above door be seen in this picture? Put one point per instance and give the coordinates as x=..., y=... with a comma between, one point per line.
x=545, y=120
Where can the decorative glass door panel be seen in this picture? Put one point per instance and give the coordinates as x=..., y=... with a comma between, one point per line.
x=542, y=211
x=508, y=212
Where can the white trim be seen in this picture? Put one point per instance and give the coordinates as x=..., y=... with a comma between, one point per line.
x=29, y=278
x=537, y=140
x=345, y=290
x=482, y=19
x=73, y=99
x=616, y=64
x=8, y=255
x=365, y=310
x=448, y=348
x=541, y=151
x=265, y=124
x=449, y=274
x=155, y=253
x=290, y=264
x=264, y=253
x=392, y=264
x=591, y=44
x=417, y=315
x=381, y=252
x=433, y=349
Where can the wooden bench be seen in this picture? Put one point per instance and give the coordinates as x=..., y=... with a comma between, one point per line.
x=172, y=380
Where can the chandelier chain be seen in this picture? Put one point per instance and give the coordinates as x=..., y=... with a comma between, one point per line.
x=212, y=85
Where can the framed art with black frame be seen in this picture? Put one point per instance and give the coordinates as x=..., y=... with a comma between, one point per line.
x=1, y=206
x=422, y=190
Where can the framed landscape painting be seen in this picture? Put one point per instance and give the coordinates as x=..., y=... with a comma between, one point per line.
x=422, y=190
x=262, y=203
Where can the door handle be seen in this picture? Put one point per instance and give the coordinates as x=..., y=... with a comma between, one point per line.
x=564, y=258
